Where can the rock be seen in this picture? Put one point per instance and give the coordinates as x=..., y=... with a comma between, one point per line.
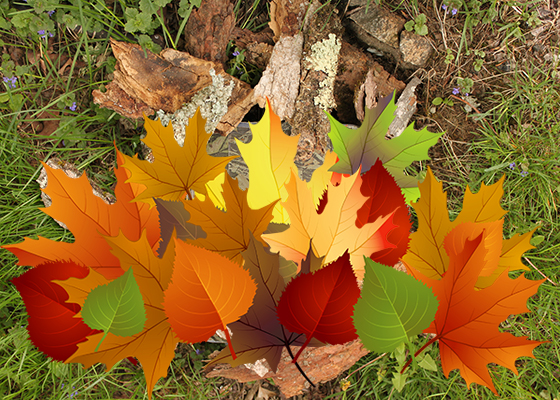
x=415, y=49
x=377, y=27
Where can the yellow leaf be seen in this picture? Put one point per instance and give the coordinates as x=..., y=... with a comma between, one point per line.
x=175, y=170
x=426, y=254
x=269, y=156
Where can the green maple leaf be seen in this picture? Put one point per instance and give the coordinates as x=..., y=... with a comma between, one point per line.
x=393, y=307
x=116, y=307
x=363, y=146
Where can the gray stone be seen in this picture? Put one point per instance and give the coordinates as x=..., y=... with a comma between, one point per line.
x=377, y=27
x=415, y=49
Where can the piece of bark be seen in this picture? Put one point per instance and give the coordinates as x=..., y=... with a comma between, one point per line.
x=309, y=120
x=208, y=30
x=354, y=65
x=287, y=17
x=258, y=46
x=366, y=96
x=166, y=81
x=321, y=364
x=280, y=80
x=406, y=107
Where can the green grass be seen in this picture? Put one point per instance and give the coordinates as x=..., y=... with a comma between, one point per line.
x=521, y=126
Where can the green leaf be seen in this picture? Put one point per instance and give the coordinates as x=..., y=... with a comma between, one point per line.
x=437, y=101
x=363, y=146
x=393, y=307
x=422, y=30
x=399, y=381
x=428, y=363
x=116, y=307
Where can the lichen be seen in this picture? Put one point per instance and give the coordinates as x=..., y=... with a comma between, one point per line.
x=324, y=57
x=212, y=101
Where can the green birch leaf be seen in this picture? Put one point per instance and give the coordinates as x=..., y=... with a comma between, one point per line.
x=363, y=146
x=393, y=307
x=116, y=307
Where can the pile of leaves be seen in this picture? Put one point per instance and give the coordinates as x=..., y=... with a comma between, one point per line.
x=184, y=253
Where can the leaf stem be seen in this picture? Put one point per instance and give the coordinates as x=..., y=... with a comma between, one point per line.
x=432, y=340
x=286, y=343
x=226, y=330
x=297, y=365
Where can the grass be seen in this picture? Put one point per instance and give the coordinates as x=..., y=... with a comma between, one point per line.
x=520, y=125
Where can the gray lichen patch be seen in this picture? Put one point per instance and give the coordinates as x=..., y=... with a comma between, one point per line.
x=212, y=101
x=324, y=57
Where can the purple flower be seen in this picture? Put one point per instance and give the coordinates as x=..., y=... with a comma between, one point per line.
x=10, y=81
x=50, y=13
x=51, y=34
x=524, y=173
x=512, y=166
x=454, y=11
x=455, y=91
x=73, y=106
x=444, y=6
x=41, y=33
x=198, y=351
x=236, y=53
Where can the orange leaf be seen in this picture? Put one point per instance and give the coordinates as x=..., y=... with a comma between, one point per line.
x=155, y=346
x=426, y=253
x=227, y=233
x=467, y=321
x=175, y=169
x=89, y=218
x=207, y=292
x=334, y=230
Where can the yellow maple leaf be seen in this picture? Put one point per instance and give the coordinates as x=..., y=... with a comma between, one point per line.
x=155, y=346
x=334, y=230
x=269, y=156
x=176, y=170
x=426, y=253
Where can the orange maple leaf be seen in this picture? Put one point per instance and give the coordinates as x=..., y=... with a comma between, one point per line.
x=175, y=170
x=334, y=230
x=228, y=233
x=426, y=252
x=89, y=218
x=467, y=321
x=207, y=292
x=155, y=346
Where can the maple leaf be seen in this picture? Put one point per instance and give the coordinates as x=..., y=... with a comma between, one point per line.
x=176, y=170
x=155, y=346
x=173, y=218
x=384, y=197
x=89, y=218
x=52, y=326
x=360, y=148
x=467, y=321
x=269, y=156
x=321, y=304
x=227, y=233
x=334, y=230
x=393, y=307
x=207, y=292
x=426, y=253
x=258, y=334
